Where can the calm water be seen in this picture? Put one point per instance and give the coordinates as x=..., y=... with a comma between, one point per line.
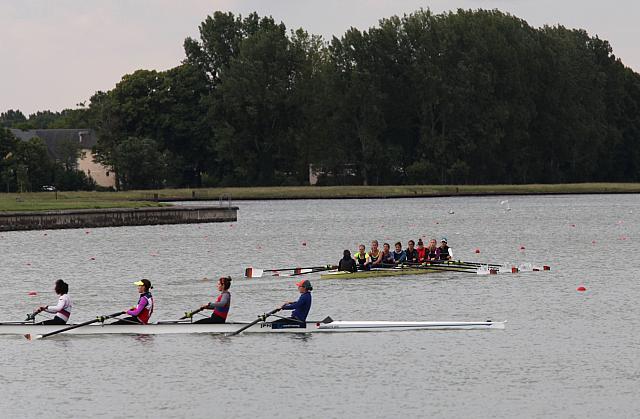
x=563, y=354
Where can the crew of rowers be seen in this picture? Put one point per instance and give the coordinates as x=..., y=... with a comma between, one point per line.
x=385, y=258
x=142, y=311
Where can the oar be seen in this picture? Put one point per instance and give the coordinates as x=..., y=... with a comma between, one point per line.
x=312, y=271
x=189, y=314
x=461, y=262
x=257, y=272
x=75, y=326
x=260, y=318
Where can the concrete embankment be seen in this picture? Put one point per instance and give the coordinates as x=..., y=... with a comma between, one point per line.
x=114, y=217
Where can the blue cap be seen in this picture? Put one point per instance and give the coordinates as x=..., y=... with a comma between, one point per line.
x=444, y=239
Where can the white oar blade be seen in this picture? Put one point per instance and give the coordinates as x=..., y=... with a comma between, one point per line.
x=253, y=273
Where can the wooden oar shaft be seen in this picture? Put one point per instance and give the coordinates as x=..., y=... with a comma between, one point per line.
x=262, y=317
x=75, y=326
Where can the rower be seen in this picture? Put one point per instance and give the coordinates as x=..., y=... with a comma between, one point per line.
x=411, y=252
x=387, y=257
x=445, y=250
x=362, y=258
x=422, y=251
x=347, y=264
x=300, y=308
x=399, y=255
x=62, y=310
x=375, y=254
x=433, y=252
x=221, y=306
x=141, y=313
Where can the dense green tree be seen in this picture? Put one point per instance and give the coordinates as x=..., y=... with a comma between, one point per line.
x=471, y=96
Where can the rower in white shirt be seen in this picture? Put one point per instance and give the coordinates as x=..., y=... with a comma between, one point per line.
x=62, y=310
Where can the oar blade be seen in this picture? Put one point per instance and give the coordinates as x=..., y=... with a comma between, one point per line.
x=253, y=272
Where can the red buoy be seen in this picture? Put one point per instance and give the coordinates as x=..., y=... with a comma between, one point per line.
x=304, y=243
x=93, y=258
x=546, y=267
x=514, y=270
x=581, y=289
x=477, y=250
x=521, y=247
x=32, y=293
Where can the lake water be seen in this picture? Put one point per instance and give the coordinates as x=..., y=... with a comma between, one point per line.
x=564, y=353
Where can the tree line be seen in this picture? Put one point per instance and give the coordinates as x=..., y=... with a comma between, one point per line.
x=466, y=97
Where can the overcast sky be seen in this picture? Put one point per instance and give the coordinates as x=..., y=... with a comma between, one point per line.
x=55, y=54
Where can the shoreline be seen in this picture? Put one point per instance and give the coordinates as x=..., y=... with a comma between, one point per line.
x=114, y=217
x=46, y=201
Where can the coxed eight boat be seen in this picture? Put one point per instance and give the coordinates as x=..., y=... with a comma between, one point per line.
x=399, y=271
x=174, y=327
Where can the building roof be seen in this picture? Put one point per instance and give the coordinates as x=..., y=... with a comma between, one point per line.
x=53, y=138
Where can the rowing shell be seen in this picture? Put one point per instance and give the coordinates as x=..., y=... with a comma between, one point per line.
x=382, y=272
x=161, y=328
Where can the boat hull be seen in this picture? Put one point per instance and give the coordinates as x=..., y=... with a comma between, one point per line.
x=384, y=272
x=263, y=327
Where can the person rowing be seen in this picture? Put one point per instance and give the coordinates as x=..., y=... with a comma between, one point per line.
x=433, y=252
x=411, y=252
x=399, y=255
x=347, y=264
x=422, y=251
x=387, y=257
x=375, y=254
x=362, y=258
x=445, y=250
x=221, y=306
x=62, y=310
x=141, y=313
x=300, y=308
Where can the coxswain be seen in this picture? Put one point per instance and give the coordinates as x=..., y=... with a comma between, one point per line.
x=221, y=306
x=362, y=258
x=387, y=256
x=375, y=254
x=422, y=251
x=445, y=250
x=141, y=313
x=300, y=308
x=399, y=255
x=347, y=264
x=62, y=310
x=433, y=252
x=411, y=252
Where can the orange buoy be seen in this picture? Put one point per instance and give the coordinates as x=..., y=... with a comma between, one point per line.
x=581, y=289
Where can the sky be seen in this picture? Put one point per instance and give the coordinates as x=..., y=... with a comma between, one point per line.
x=56, y=54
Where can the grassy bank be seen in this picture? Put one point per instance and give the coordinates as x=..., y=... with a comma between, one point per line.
x=131, y=199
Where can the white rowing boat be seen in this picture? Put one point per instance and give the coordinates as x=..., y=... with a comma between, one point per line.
x=260, y=327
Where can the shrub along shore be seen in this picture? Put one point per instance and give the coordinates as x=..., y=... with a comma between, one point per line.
x=43, y=201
